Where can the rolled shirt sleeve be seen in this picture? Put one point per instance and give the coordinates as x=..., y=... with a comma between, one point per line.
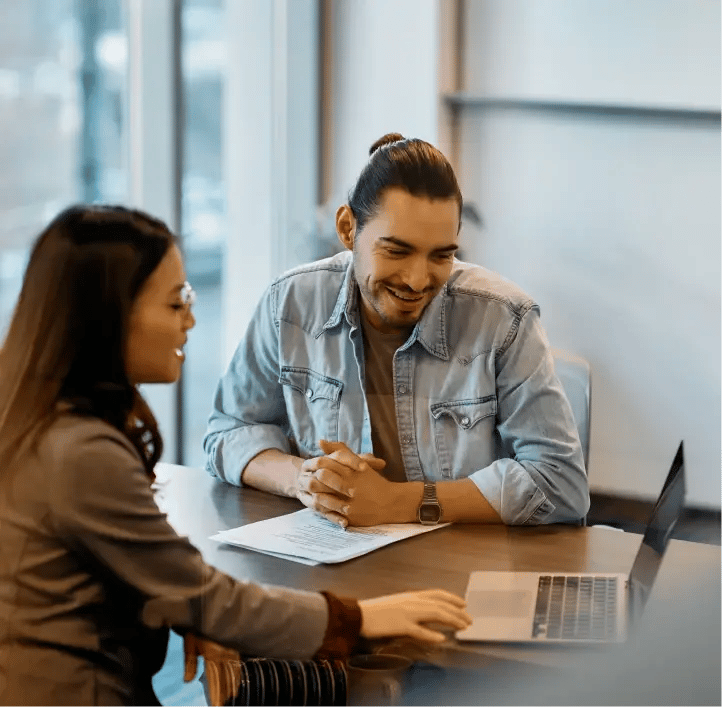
x=541, y=478
x=249, y=413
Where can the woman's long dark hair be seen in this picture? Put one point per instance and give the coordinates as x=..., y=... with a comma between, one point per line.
x=67, y=338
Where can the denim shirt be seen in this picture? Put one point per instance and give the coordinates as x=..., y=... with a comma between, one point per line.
x=475, y=390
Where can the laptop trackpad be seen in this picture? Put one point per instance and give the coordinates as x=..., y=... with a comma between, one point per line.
x=502, y=604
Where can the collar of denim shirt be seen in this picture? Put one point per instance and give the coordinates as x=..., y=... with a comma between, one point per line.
x=430, y=331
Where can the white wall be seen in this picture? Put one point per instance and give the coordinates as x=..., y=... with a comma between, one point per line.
x=636, y=52
x=612, y=223
x=384, y=65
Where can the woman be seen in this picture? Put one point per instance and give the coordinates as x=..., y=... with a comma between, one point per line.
x=91, y=574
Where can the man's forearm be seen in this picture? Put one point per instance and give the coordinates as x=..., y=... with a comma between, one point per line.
x=273, y=471
x=460, y=501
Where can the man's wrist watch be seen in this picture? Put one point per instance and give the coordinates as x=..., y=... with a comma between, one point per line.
x=430, y=509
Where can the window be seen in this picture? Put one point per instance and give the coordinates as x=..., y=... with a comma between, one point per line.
x=62, y=88
x=204, y=224
x=250, y=173
x=89, y=111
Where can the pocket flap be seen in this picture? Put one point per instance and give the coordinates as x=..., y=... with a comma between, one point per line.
x=311, y=384
x=466, y=413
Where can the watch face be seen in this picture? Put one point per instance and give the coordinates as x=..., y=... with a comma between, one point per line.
x=429, y=513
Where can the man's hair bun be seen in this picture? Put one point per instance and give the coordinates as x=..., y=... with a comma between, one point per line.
x=386, y=140
x=411, y=164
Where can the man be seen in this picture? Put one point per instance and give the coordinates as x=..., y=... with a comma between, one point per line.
x=393, y=383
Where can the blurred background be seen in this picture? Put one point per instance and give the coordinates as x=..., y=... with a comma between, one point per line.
x=585, y=133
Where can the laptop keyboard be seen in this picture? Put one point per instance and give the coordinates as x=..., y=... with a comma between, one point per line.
x=569, y=607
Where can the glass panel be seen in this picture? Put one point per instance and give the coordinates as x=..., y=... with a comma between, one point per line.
x=204, y=228
x=278, y=40
x=62, y=77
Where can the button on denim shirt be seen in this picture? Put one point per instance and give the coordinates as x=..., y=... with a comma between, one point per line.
x=475, y=390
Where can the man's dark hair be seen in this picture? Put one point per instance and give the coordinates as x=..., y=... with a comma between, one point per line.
x=412, y=164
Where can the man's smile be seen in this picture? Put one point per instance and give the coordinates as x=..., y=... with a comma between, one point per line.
x=408, y=298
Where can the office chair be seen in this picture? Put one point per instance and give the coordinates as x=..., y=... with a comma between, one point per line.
x=575, y=375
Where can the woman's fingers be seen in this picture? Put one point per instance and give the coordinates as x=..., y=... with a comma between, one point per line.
x=223, y=682
x=437, y=611
x=426, y=635
x=222, y=666
x=449, y=616
x=434, y=595
x=442, y=595
x=190, y=657
x=405, y=614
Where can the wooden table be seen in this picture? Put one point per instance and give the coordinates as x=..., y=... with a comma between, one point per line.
x=673, y=657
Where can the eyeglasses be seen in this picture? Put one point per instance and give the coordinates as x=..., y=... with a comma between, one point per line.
x=187, y=295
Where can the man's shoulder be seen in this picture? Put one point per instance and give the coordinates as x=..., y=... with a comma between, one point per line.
x=318, y=270
x=472, y=282
x=307, y=295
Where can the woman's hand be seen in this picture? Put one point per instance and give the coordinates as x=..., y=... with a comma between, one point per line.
x=405, y=615
x=223, y=667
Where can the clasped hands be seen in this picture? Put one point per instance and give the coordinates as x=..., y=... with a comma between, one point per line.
x=347, y=488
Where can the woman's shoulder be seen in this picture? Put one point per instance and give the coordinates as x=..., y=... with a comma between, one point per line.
x=75, y=442
x=77, y=462
x=85, y=460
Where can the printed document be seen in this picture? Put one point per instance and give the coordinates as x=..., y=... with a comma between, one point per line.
x=307, y=537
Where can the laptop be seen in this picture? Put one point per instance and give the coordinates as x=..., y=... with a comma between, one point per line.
x=576, y=607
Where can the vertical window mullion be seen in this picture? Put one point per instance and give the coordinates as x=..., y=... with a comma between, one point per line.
x=155, y=142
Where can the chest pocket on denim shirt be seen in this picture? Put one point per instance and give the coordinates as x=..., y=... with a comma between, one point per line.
x=460, y=426
x=312, y=403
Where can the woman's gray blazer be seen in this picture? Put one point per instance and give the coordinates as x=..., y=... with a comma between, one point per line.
x=92, y=575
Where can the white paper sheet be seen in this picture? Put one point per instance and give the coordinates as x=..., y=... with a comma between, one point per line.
x=305, y=536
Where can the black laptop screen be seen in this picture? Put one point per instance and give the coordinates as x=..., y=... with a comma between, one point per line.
x=665, y=514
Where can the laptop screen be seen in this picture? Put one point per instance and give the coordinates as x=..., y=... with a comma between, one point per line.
x=664, y=517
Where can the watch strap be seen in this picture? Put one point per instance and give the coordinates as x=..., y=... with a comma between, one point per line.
x=429, y=492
